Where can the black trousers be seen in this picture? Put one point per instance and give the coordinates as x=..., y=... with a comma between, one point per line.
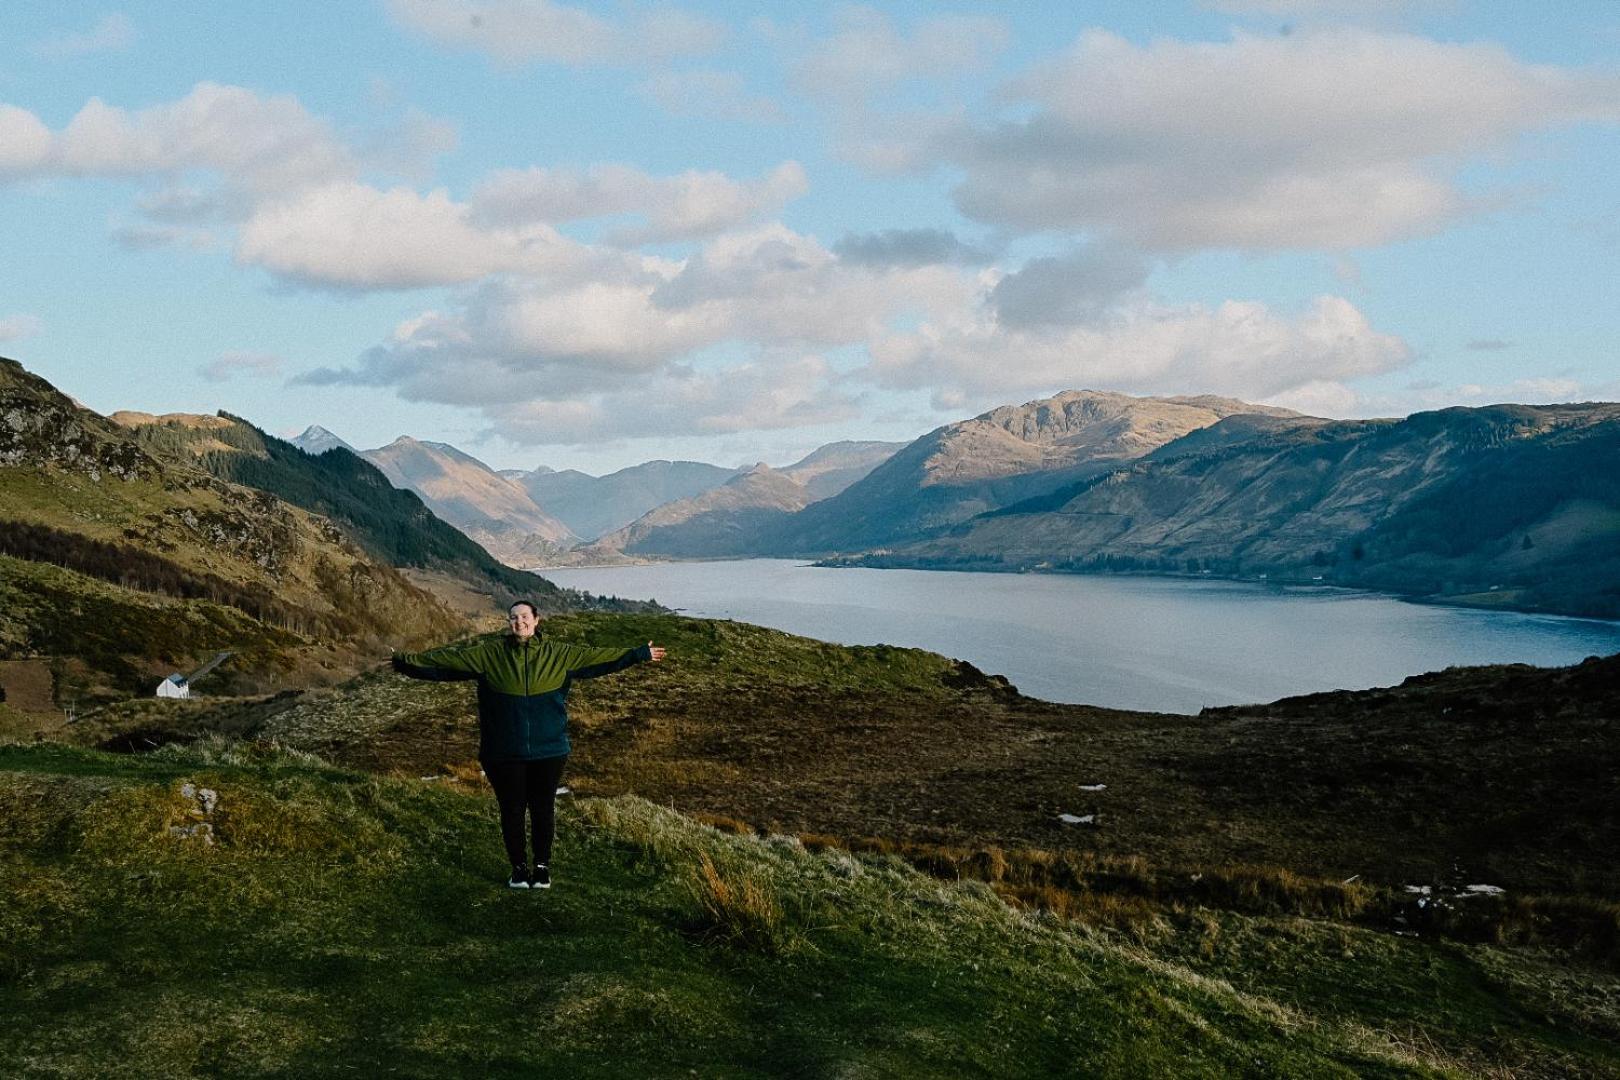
x=527, y=786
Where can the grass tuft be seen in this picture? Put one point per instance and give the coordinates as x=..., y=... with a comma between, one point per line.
x=738, y=907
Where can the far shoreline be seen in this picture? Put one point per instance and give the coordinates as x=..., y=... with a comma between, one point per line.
x=1467, y=601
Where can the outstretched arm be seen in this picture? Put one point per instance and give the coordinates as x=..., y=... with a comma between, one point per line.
x=448, y=663
x=586, y=663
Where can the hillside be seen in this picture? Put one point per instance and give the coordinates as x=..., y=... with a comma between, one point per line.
x=1512, y=505
x=1000, y=457
x=122, y=566
x=391, y=524
x=803, y=736
x=493, y=510
x=302, y=919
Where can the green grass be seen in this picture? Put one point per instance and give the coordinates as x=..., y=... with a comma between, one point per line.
x=344, y=921
x=123, y=640
x=718, y=653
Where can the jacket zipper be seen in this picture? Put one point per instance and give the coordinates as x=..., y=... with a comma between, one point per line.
x=525, y=654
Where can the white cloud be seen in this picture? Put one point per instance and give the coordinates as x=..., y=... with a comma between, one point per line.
x=231, y=364
x=111, y=33
x=260, y=144
x=17, y=327
x=772, y=394
x=352, y=235
x=515, y=32
x=1240, y=348
x=605, y=324
x=223, y=157
x=715, y=95
x=1331, y=139
x=688, y=206
x=774, y=285
x=551, y=350
x=1319, y=397
x=766, y=288
x=25, y=142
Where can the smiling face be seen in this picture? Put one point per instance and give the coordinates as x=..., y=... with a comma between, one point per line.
x=520, y=617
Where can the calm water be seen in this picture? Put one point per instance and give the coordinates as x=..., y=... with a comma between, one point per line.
x=1167, y=645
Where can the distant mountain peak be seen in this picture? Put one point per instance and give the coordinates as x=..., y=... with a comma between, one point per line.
x=317, y=440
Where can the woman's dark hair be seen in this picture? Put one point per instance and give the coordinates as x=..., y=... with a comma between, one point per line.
x=524, y=603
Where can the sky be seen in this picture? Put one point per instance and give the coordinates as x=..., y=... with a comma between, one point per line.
x=590, y=235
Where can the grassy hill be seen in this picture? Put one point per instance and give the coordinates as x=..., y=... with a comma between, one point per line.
x=314, y=921
x=118, y=567
x=391, y=524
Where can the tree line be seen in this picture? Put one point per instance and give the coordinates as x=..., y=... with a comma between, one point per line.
x=133, y=568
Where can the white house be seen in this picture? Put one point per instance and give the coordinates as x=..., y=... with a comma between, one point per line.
x=179, y=686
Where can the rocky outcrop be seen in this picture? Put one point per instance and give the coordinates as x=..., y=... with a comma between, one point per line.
x=40, y=427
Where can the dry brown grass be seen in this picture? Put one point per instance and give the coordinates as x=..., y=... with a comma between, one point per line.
x=726, y=824
x=738, y=907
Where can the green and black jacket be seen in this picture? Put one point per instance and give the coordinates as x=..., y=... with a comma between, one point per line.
x=522, y=687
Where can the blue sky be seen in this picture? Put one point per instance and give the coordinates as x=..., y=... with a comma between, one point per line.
x=590, y=235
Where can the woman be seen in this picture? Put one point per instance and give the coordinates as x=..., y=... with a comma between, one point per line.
x=523, y=680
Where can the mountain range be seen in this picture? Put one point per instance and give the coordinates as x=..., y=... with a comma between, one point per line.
x=730, y=519
x=967, y=468
x=528, y=518
x=1509, y=505
x=1506, y=506
x=594, y=505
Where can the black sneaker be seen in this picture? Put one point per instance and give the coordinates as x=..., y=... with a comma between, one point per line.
x=541, y=878
x=520, y=877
